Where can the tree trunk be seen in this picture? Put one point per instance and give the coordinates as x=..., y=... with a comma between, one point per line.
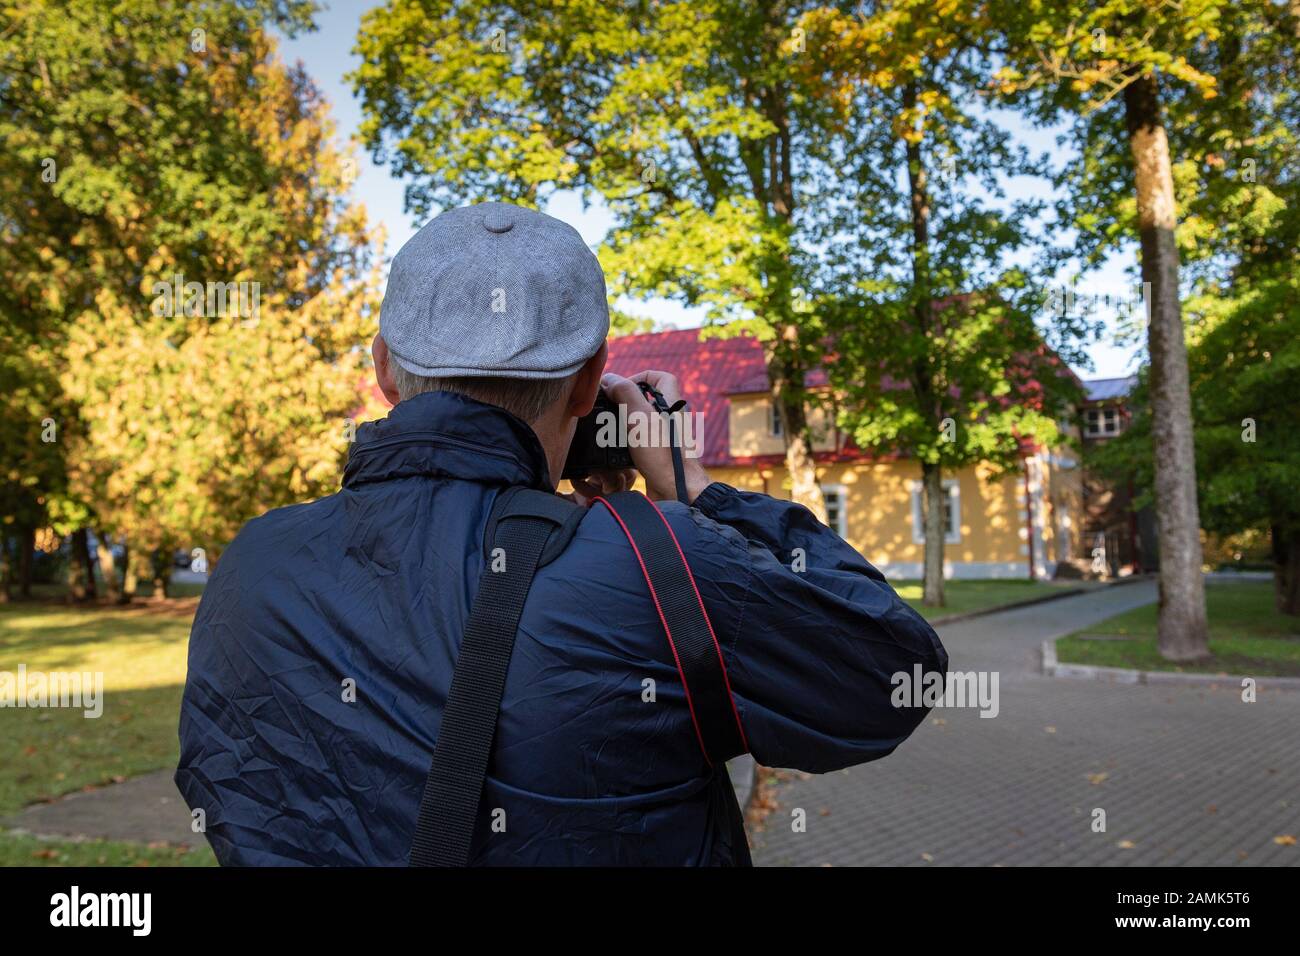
x=932, y=509
x=922, y=382
x=81, y=575
x=785, y=376
x=81, y=544
x=786, y=364
x=804, y=486
x=130, y=573
x=7, y=567
x=1182, y=630
x=76, y=587
x=1286, y=570
x=161, y=567
x=107, y=568
x=26, y=560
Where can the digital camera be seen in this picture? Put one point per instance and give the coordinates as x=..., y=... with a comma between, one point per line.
x=585, y=454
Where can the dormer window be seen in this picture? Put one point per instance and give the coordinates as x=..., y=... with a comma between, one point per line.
x=1102, y=423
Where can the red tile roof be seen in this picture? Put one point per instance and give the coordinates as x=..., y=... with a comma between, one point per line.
x=710, y=371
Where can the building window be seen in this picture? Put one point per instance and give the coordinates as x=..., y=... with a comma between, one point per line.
x=774, y=419
x=1101, y=422
x=951, y=512
x=837, y=508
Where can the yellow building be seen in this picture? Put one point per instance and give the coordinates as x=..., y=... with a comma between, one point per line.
x=1018, y=525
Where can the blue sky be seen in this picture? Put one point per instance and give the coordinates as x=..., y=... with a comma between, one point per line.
x=327, y=56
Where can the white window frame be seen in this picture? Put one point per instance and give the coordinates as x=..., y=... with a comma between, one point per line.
x=953, y=487
x=841, y=492
x=1108, y=422
x=774, y=420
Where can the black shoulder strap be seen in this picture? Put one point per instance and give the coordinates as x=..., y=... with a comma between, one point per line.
x=523, y=521
x=686, y=625
x=530, y=528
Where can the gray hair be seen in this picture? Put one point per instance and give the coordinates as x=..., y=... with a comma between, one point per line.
x=526, y=398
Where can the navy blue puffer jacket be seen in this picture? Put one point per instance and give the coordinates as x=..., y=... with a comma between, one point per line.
x=370, y=589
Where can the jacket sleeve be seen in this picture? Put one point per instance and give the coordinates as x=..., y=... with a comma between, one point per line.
x=210, y=755
x=812, y=635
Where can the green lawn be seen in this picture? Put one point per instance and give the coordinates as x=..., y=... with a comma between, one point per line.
x=964, y=596
x=1247, y=636
x=47, y=752
x=16, y=850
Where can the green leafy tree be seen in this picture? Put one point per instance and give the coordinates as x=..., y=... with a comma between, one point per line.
x=937, y=354
x=690, y=120
x=151, y=147
x=1146, y=74
x=1244, y=355
x=31, y=457
x=1241, y=191
x=1247, y=437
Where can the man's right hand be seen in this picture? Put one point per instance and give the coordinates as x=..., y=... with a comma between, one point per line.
x=655, y=462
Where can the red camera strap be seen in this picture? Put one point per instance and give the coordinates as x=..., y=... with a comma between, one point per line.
x=686, y=624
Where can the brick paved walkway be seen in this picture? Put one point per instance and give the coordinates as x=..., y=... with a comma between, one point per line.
x=1186, y=775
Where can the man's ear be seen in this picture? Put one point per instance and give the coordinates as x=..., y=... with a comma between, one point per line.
x=587, y=385
x=383, y=374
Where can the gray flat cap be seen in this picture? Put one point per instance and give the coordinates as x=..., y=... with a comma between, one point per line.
x=494, y=289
